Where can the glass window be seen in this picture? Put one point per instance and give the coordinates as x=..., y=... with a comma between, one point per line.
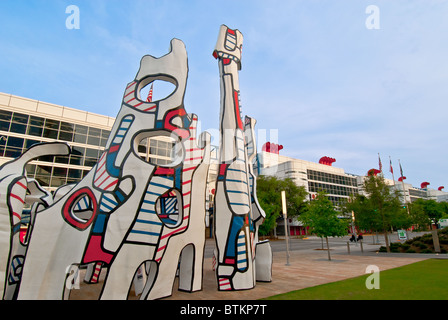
x=75, y=160
x=29, y=143
x=77, y=155
x=12, y=152
x=20, y=118
x=18, y=127
x=78, y=151
x=94, y=132
x=15, y=142
x=35, y=131
x=46, y=158
x=153, y=143
x=94, y=141
x=80, y=138
x=62, y=159
x=30, y=169
x=105, y=134
x=65, y=136
x=37, y=121
x=5, y=115
x=4, y=125
x=74, y=173
x=43, y=170
x=52, y=124
x=91, y=153
x=49, y=133
x=103, y=142
x=60, y=172
x=69, y=127
x=81, y=129
x=90, y=162
x=141, y=149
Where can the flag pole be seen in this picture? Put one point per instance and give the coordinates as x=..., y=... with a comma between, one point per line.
x=392, y=170
x=283, y=195
x=380, y=164
x=402, y=182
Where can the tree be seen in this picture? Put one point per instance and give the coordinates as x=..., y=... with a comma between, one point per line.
x=418, y=214
x=382, y=209
x=269, y=190
x=323, y=220
x=427, y=211
x=366, y=217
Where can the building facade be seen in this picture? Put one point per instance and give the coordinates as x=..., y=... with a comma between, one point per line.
x=24, y=122
x=314, y=177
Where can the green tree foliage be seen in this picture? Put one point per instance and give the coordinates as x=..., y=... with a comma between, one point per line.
x=269, y=197
x=323, y=220
x=380, y=210
x=425, y=212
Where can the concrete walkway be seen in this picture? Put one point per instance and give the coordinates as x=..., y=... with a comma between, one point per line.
x=307, y=268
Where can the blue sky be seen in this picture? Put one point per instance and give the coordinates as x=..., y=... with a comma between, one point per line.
x=311, y=70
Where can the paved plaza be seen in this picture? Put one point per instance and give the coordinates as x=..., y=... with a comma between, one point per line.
x=307, y=267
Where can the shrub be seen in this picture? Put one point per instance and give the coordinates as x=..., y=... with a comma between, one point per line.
x=426, y=251
x=410, y=251
x=405, y=246
x=420, y=245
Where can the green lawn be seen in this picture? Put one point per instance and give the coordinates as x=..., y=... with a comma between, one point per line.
x=424, y=280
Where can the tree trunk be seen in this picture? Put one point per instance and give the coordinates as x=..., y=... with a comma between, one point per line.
x=328, y=248
x=387, y=241
x=435, y=240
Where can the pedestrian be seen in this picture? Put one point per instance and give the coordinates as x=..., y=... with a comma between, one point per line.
x=360, y=237
x=352, y=239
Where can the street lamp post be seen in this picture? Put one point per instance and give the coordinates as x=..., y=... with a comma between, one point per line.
x=286, y=226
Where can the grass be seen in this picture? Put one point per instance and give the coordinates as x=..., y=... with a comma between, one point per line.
x=424, y=280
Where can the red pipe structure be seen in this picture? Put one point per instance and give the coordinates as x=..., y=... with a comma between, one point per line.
x=373, y=172
x=327, y=161
x=424, y=185
x=272, y=147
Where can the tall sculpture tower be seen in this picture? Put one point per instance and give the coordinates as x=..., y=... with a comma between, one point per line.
x=234, y=227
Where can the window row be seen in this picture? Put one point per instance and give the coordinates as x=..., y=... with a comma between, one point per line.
x=331, y=189
x=13, y=147
x=53, y=129
x=331, y=178
x=54, y=177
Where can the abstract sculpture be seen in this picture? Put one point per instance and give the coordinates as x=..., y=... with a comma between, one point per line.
x=13, y=195
x=140, y=222
x=117, y=217
x=236, y=209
